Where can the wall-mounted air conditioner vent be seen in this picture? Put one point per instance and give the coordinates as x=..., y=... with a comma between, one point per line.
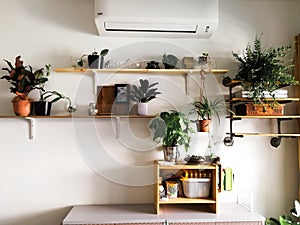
x=157, y=18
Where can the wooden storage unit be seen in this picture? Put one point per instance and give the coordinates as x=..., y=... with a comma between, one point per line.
x=160, y=175
x=280, y=118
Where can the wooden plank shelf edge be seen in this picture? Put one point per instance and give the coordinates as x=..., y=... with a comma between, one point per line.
x=134, y=71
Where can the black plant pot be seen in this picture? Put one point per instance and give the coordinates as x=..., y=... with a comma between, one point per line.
x=93, y=61
x=153, y=65
x=168, y=66
x=41, y=108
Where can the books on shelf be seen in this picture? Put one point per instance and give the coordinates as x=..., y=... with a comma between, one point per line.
x=281, y=93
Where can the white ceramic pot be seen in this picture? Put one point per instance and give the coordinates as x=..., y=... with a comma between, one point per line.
x=142, y=109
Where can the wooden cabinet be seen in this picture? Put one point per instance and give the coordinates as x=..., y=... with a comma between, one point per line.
x=162, y=173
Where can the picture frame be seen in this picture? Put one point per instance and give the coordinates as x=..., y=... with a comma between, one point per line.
x=122, y=93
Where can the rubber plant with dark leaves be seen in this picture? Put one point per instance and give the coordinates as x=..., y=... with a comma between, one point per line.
x=145, y=92
x=23, y=79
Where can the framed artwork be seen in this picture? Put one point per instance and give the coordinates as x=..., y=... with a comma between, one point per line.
x=122, y=93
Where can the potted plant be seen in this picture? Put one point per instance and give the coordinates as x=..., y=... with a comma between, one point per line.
x=23, y=80
x=291, y=218
x=206, y=109
x=264, y=71
x=172, y=129
x=95, y=60
x=43, y=106
x=50, y=97
x=143, y=94
x=169, y=61
x=202, y=60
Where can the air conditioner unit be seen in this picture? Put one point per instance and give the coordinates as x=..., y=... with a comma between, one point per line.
x=157, y=18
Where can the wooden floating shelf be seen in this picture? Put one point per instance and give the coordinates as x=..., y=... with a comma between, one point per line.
x=80, y=116
x=134, y=71
x=32, y=119
x=279, y=100
x=234, y=83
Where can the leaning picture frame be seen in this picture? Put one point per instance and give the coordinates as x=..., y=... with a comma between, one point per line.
x=122, y=93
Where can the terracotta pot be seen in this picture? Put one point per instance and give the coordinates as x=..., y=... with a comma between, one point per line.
x=203, y=125
x=21, y=107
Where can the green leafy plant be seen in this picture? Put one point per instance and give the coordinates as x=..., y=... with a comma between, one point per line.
x=286, y=219
x=145, y=92
x=169, y=61
x=23, y=79
x=103, y=53
x=172, y=129
x=54, y=96
x=264, y=69
x=206, y=108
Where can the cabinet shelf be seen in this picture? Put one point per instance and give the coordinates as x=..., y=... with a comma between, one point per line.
x=134, y=71
x=181, y=200
x=175, y=171
x=184, y=166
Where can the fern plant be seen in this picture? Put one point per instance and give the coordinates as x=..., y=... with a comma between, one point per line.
x=206, y=108
x=264, y=69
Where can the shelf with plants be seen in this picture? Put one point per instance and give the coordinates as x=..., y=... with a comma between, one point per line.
x=134, y=71
x=76, y=116
x=276, y=137
x=185, y=72
x=267, y=100
x=32, y=119
x=164, y=173
x=262, y=73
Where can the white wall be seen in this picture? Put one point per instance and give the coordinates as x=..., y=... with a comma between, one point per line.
x=80, y=161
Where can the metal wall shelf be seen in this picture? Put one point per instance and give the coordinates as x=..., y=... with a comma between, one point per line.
x=276, y=137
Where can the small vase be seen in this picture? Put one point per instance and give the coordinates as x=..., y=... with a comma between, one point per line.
x=21, y=107
x=171, y=154
x=142, y=108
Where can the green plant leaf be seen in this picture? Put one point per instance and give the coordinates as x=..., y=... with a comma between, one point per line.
x=104, y=52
